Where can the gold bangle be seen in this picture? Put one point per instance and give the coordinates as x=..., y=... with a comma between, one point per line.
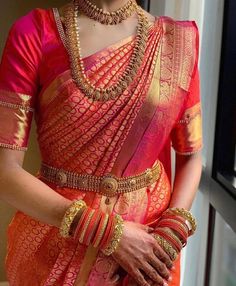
x=115, y=240
x=69, y=216
x=166, y=246
x=187, y=215
x=173, y=235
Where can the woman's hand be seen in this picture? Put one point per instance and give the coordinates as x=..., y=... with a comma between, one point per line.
x=140, y=255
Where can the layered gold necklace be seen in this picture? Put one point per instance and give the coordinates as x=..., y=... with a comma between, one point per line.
x=107, y=18
x=76, y=61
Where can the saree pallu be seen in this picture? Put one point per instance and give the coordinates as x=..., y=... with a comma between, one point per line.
x=124, y=136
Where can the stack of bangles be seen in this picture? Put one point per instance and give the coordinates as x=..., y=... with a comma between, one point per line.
x=92, y=227
x=173, y=229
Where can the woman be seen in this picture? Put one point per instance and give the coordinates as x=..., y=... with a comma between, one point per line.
x=110, y=93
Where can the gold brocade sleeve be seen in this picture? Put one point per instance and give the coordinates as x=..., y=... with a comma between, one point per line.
x=187, y=133
x=15, y=120
x=19, y=82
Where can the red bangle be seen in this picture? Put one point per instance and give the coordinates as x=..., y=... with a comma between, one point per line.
x=100, y=230
x=92, y=226
x=175, y=242
x=85, y=227
x=178, y=218
x=186, y=215
x=177, y=224
x=108, y=233
x=181, y=231
x=80, y=225
x=94, y=229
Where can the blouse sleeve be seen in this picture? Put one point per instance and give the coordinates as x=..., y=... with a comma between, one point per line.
x=19, y=82
x=186, y=135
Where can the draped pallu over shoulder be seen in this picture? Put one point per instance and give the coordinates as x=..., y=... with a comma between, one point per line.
x=124, y=136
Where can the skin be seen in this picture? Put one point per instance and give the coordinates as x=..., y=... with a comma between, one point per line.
x=138, y=252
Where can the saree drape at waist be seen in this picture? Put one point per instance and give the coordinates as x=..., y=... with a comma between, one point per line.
x=58, y=261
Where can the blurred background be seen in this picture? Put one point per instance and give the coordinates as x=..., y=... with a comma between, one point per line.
x=210, y=256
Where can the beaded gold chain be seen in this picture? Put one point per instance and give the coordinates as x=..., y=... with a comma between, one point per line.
x=108, y=18
x=77, y=66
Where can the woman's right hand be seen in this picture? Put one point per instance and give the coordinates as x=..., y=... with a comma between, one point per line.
x=139, y=254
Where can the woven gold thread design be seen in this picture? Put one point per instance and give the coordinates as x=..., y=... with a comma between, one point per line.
x=14, y=147
x=16, y=106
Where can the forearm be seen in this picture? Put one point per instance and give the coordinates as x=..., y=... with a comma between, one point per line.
x=186, y=181
x=31, y=196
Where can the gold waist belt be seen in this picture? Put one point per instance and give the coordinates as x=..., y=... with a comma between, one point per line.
x=108, y=185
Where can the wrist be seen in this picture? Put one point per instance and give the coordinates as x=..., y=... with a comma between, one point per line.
x=173, y=229
x=92, y=226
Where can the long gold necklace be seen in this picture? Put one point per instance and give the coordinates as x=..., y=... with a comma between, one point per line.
x=107, y=18
x=76, y=61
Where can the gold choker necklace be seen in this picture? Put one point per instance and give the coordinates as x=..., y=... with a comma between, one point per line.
x=107, y=18
x=76, y=61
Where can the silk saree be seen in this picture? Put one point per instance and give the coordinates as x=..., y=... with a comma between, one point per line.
x=160, y=110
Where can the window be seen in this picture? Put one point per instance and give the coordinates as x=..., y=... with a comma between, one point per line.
x=223, y=267
x=224, y=170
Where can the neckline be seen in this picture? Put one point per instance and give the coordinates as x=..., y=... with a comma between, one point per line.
x=62, y=35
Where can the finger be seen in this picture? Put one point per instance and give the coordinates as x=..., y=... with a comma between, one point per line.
x=139, y=278
x=150, y=229
x=162, y=255
x=150, y=282
x=152, y=273
x=160, y=267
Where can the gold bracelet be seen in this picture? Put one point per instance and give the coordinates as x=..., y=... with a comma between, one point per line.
x=173, y=235
x=166, y=246
x=69, y=216
x=187, y=215
x=118, y=231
